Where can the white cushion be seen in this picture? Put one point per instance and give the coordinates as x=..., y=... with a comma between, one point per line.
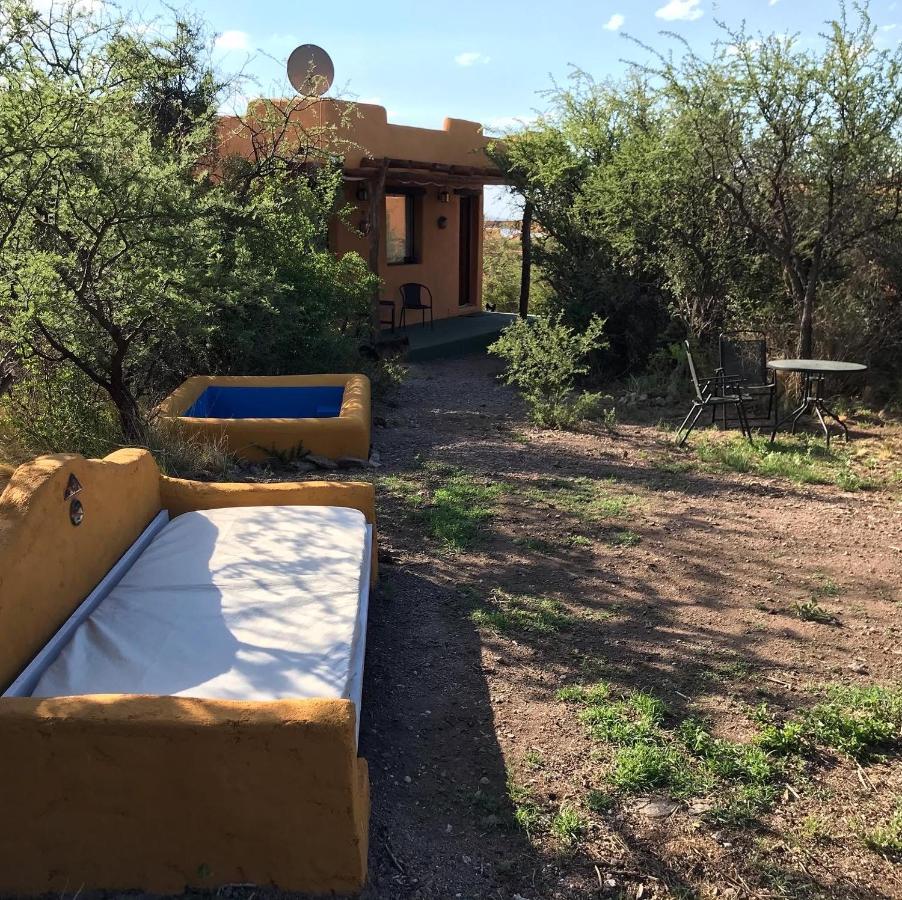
x=252, y=603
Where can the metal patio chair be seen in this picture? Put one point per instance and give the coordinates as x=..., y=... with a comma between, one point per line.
x=743, y=354
x=712, y=393
x=412, y=298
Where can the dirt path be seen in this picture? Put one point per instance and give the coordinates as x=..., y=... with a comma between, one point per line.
x=686, y=590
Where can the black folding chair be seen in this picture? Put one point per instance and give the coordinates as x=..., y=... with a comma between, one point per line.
x=712, y=393
x=743, y=355
x=412, y=298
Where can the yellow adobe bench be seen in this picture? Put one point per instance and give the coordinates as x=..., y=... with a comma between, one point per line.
x=162, y=792
x=257, y=424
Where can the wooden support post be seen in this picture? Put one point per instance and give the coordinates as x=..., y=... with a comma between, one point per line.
x=526, y=264
x=377, y=203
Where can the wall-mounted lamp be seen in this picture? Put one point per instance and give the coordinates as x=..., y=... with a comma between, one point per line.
x=444, y=195
x=363, y=193
x=442, y=221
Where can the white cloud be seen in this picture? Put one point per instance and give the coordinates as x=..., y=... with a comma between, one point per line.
x=471, y=58
x=683, y=10
x=772, y=2
x=888, y=27
x=616, y=21
x=232, y=40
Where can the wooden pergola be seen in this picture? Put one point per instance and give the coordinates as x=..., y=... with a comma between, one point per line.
x=378, y=173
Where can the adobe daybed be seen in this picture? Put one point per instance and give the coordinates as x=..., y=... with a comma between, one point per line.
x=181, y=665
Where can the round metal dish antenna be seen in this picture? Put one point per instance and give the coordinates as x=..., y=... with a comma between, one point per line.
x=310, y=70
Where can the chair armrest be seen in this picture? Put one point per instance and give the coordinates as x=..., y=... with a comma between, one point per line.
x=719, y=381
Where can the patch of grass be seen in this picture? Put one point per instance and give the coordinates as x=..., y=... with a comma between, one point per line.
x=600, y=801
x=527, y=813
x=568, y=826
x=187, y=456
x=858, y=721
x=623, y=537
x=826, y=587
x=781, y=738
x=743, y=805
x=552, y=548
x=802, y=459
x=534, y=760
x=460, y=509
x=685, y=759
x=538, y=545
x=409, y=490
x=588, y=499
x=814, y=828
x=887, y=838
x=635, y=719
x=453, y=505
x=811, y=611
x=727, y=759
x=642, y=767
x=513, y=613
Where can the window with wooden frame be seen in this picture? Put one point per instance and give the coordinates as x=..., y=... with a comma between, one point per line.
x=400, y=228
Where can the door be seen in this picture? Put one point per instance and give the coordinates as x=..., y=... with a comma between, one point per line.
x=469, y=218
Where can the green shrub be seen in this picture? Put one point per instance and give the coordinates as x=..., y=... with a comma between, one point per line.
x=54, y=409
x=544, y=358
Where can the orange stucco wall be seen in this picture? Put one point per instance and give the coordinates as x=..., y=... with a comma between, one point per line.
x=365, y=131
x=158, y=793
x=162, y=793
x=368, y=133
x=438, y=263
x=47, y=566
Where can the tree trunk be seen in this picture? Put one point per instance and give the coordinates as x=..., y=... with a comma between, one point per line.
x=526, y=264
x=806, y=323
x=130, y=418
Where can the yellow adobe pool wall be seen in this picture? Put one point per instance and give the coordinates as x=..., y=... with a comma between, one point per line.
x=158, y=794
x=347, y=434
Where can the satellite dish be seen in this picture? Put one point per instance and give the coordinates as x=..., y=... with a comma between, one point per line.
x=310, y=70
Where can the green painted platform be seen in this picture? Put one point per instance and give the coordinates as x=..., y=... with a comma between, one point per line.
x=457, y=336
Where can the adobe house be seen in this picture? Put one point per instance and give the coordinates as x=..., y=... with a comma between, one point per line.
x=416, y=195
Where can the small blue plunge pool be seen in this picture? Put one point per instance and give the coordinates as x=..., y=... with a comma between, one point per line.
x=218, y=402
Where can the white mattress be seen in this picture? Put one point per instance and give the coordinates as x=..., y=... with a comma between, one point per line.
x=253, y=603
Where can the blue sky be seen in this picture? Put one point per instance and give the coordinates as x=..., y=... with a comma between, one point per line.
x=487, y=60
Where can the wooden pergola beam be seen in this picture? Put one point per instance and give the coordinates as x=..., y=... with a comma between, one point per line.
x=446, y=168
x=413, y=178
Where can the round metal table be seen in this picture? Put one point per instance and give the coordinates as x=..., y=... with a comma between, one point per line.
x=814, y=372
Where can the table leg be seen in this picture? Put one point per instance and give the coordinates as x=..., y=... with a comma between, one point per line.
x=820, y=417
x=794, y=415
x=804, y=408
x=836, y=418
